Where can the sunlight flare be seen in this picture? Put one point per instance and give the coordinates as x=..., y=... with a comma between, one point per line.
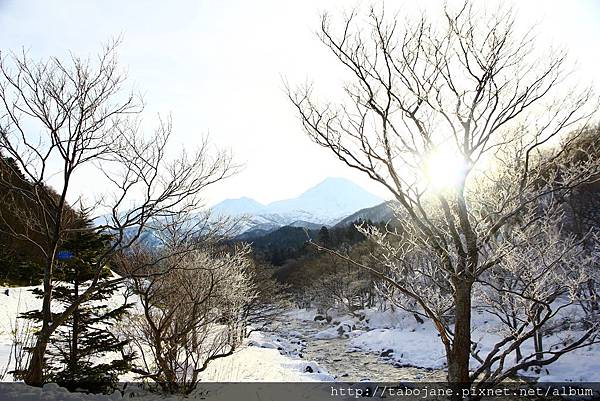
x=444, y=169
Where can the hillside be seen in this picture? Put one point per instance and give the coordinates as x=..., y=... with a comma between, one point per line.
x=381, y=213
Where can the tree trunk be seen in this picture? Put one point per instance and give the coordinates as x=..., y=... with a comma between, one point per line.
x=519, y=354
x=538, y=344
x=458, y=358
x=35, y=370
x=513, y=325
x=74, y=341
x=593, y=296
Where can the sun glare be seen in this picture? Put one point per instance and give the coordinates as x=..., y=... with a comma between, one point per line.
x=444, y=169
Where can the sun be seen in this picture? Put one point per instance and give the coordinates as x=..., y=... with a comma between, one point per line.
x=444, y=169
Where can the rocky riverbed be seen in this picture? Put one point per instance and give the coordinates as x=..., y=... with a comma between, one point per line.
x=304, y=339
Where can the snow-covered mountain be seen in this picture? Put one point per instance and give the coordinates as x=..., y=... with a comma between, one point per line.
x=325, y=203
x=233, y=207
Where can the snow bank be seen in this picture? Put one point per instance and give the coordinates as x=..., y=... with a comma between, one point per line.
x=397, y=337
x=263, y=364
x=582, y=365
x=415, y=347
x=343, y=329
x=50, y=392
x=261, y=359
x=13, y=302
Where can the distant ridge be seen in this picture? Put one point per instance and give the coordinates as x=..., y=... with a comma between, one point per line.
x=242, y=205
x=306, y=224
x=323, y=204
x=381, y=213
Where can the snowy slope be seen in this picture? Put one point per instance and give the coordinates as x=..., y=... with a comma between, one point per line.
x=381, y=213
x=257, y=360
x=234, y=207
x=409, y=343
x=331, y=198
x=325, y=203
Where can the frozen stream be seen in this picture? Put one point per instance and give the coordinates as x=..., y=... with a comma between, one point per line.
x=341, y=360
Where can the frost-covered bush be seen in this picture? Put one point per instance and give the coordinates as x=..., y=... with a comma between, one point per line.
x=191, y=312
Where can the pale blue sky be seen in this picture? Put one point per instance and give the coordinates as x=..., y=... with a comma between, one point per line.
x=217, y=67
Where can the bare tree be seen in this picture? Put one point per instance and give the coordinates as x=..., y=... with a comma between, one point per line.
x=471, y=87
x=62, y=119
x=271, y=300
x=335, y=284
x=538, y=279
x=192, y=312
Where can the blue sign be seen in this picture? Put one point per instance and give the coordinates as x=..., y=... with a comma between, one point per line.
x=64, y=255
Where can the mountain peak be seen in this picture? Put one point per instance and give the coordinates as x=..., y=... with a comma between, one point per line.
x=330, y=180
x=243, y=205
x=326, y=202
x=331, y=184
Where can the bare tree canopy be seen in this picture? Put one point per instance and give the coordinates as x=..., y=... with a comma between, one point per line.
x=75, y=115
x=464, y=122
x=190, y=315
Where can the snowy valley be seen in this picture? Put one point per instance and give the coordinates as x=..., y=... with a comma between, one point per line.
x=302, y=345
x=300, y=200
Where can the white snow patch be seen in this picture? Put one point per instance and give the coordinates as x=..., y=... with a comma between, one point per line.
x=420, y=348
x=302, y=314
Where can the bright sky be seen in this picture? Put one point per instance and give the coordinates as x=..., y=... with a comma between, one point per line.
x=217, y=66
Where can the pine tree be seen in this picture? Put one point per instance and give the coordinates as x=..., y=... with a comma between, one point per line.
x=324, y=237
x=73, y=358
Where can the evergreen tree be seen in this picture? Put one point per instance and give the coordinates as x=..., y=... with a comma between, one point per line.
x=72, y=360
x=324, y=237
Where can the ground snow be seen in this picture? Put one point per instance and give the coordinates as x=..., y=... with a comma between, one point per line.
x=418, y=344
x=420, y=348
x=395, y=334
x=50, y=392
x=259, y=359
